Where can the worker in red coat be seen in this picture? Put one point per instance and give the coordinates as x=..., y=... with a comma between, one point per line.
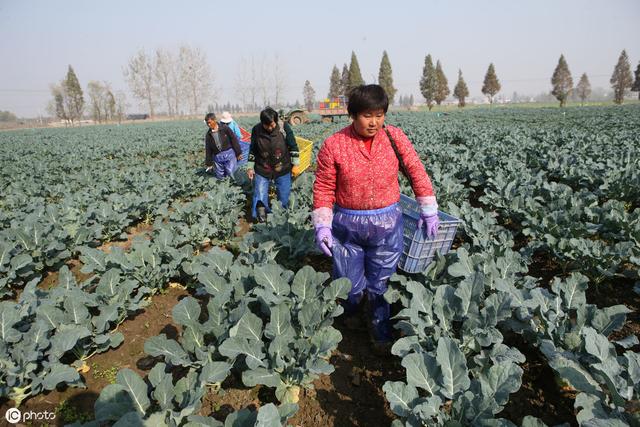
x=356, y=213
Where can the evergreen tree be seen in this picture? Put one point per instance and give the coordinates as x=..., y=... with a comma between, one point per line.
x=621, y=79
x=385, y=77
x=583, y=89
x=562, y=81
x=334, y=83
x=461, y=91
x=355, y=77
x=74, y=93
x=401, y=101
x=344, y=80
x=442, y=85
x=411, y=100
x=309, y=95
x=636, y=84
x=491, y=85
x=428, y=82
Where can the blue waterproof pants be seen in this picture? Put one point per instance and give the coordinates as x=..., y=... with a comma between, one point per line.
x=261, y=192
x=225, y=163
x=366, y=249
x=244, y=146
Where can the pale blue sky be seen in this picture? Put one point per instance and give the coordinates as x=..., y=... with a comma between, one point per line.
x=522, y=38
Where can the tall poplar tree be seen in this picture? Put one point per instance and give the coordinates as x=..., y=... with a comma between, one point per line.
x=344, y=80
x=385, y=77
x=57, y=106
x=97, y=102
x=491, y=85
x=334, y=83
x=111, y=105
x=583, y=89
x=74, y=93
x=562, y=81
x=621, y=79
x=461, y=91
x=442, y=85
x=142, y=80
x=309, y=95
x=428, y=82
x=636, y=83
x=355, y=77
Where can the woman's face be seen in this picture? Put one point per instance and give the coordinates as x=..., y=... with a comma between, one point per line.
x=212, y=124
x=368, y=123
x=270, y=127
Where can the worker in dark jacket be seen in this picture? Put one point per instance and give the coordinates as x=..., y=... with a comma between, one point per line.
x=273, y=154
x=222, y=148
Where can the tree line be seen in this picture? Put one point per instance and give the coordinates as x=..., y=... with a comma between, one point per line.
x=182, y=82
x=434, y=85
x=179, y=81
x=621, y=81
x=7, y=116
x=68, y=103
x=176, y=83
x=341, y=83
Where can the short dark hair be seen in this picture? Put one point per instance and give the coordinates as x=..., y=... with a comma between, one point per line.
x=268, y=115
x=366, y=98
x=209, y=116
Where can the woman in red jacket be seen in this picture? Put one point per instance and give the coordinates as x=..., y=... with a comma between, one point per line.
x=356, y=213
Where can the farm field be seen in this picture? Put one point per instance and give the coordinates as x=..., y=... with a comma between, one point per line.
x=134, y=289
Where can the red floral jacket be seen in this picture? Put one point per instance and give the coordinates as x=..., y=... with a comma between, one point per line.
x=354, y=178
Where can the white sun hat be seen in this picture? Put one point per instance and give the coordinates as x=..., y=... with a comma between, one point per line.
x=225, y=117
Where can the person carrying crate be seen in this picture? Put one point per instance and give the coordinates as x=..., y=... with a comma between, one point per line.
x=226, y=118
x=356, y=214
x=273, y=155
x=222, y=149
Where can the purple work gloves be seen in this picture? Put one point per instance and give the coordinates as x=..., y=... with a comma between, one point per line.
x=431, y=224
x=324, y=240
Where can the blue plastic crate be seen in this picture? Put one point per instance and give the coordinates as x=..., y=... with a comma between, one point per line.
x=244, y=146
x=418, y=251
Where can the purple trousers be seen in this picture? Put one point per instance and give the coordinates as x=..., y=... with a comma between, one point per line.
x=225, y=163
x=366, y=249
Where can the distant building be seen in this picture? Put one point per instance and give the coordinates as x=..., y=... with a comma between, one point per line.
x=137, y=116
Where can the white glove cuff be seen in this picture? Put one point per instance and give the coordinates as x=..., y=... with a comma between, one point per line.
x=428, y=205
x=322, y=217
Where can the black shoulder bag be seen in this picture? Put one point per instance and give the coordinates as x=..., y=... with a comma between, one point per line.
x=403, y=168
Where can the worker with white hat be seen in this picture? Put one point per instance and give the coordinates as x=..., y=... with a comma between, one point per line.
x=226, y=118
